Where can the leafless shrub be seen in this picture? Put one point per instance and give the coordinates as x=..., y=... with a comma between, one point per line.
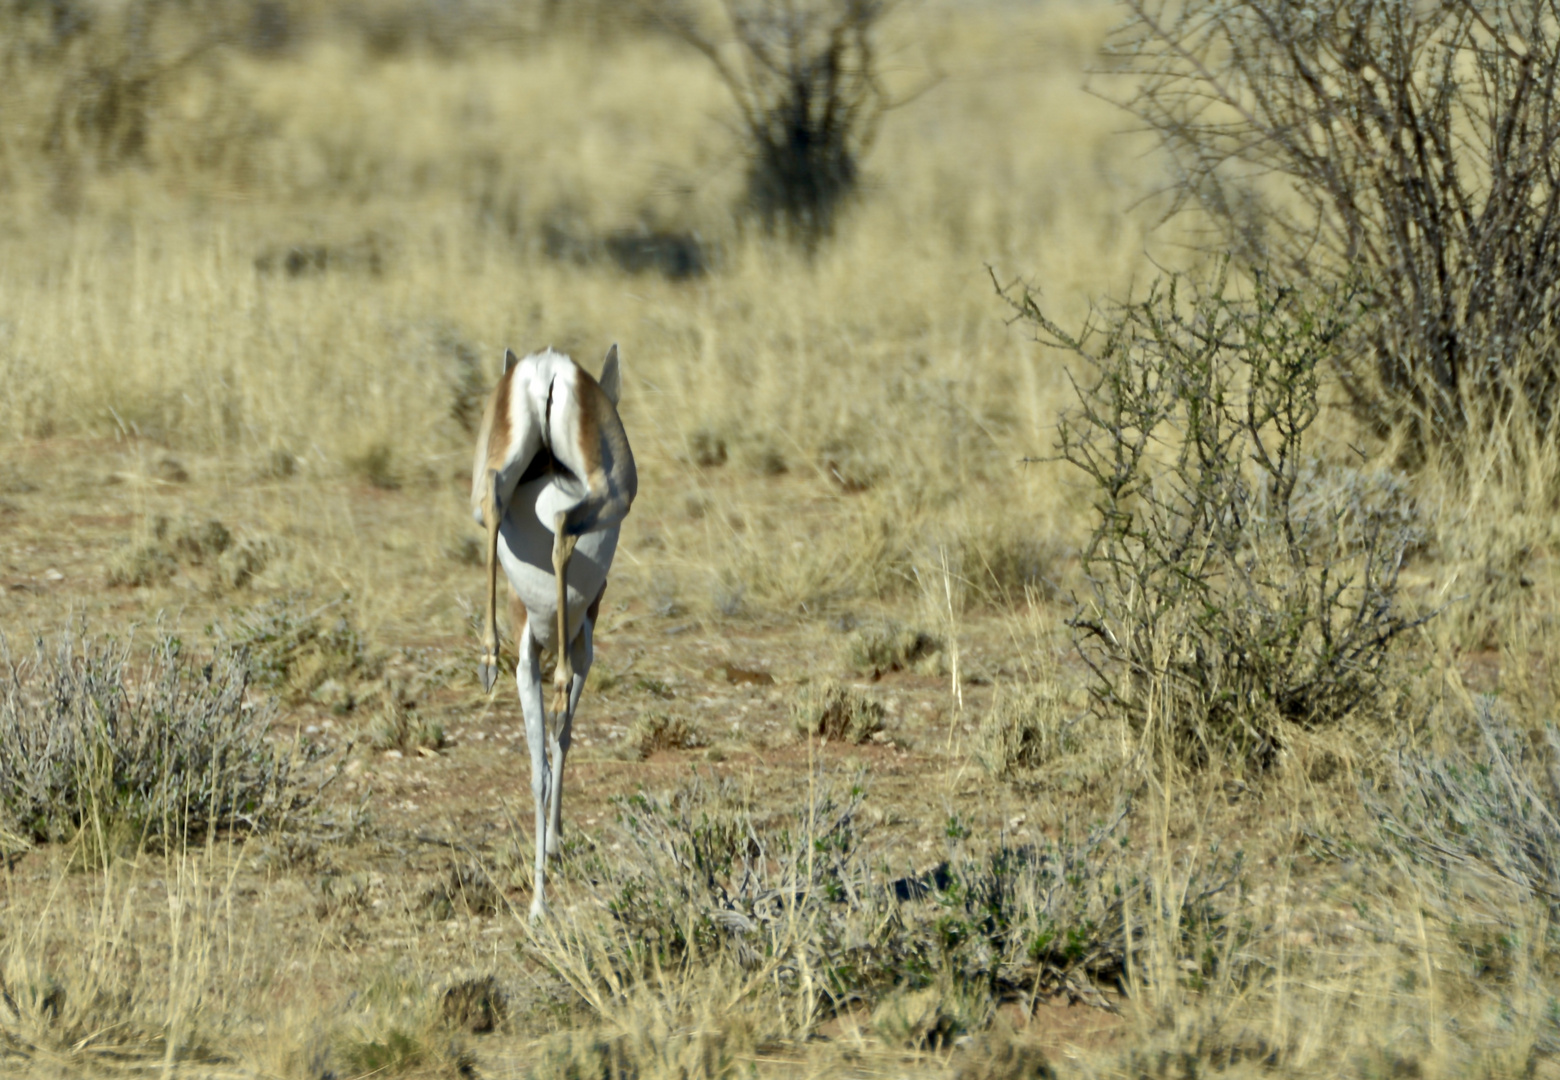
x=804, y=77
x=1225, y=597
x=93, y=745
x=1419, y=142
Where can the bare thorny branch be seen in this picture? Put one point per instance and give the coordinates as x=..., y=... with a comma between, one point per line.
x=1419, y=143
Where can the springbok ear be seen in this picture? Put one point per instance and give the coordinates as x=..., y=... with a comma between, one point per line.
x=611, y=376
x=510, y=360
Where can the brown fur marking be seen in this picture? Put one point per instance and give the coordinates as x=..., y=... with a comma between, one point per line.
x=517, y=616
x=595, y=605
x=593, y=401
x=499, y=430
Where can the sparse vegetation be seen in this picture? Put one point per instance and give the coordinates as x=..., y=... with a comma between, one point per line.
x=299, y=652
x=882, y=646
x=1025, y=728
x=140, y=565
x=789, y=907
x=656, y=731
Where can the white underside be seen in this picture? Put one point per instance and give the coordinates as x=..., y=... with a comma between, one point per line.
x=525, y=551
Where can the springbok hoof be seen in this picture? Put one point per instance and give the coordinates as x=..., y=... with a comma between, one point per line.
x=487, y=671
x=538, y=912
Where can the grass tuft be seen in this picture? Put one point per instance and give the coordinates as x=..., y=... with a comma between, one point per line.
x=831, y=710
x=142, y=565
x=657, y=731
x=889, y=646
x=1023, y=729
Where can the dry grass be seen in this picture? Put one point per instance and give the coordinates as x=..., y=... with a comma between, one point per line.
x=241, y=370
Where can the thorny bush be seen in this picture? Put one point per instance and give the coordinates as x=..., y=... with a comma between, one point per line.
x=1234, y=586
x=1415, y=148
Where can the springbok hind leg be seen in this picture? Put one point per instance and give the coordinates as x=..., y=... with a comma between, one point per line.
x=582, y=654
x=528, y=677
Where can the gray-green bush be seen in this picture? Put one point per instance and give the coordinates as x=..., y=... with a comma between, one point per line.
x=96, y=745
x=797, y=901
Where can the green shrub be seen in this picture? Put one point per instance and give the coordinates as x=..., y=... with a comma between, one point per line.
x=1226, y=598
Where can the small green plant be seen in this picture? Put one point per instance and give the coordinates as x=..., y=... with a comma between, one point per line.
x=1225, y=598
x=831, y=710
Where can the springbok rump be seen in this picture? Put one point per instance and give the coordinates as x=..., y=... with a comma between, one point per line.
x=552, y=479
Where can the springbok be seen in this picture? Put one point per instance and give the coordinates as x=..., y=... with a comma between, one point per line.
x=551, y=481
